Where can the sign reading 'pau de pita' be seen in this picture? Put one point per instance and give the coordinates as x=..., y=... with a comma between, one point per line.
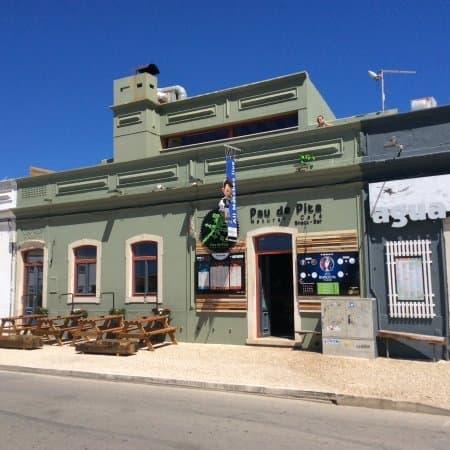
x=398, y=201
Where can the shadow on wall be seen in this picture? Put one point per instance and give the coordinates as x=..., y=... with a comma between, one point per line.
x=204, y=320
x=420, y=351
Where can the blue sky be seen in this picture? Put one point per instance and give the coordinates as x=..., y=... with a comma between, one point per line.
x=59, y=59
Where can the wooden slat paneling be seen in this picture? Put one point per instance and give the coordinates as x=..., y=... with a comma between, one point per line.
x=327, y=241
x=239, y=247
x=309, y=305
x=220, y=305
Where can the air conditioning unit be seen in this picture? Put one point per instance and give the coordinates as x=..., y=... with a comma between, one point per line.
x=423, y=103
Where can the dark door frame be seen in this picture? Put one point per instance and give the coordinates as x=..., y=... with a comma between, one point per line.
x=258, y=254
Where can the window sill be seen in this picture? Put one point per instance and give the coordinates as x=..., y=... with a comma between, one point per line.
x=142, y=300
x=84, y=300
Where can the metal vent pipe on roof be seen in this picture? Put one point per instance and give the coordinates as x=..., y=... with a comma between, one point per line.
x=174, y=92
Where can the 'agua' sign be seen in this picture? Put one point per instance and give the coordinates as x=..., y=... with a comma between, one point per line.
x=413, y=199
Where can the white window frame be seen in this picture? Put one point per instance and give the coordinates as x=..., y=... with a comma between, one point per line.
x=414, y=309
x=129, y=297
x=71, y=273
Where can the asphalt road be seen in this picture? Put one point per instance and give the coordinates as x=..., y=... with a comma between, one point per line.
x=47, y=412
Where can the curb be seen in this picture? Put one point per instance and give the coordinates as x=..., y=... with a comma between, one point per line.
x=394, y=405
x=299, y=394
x=228, y=387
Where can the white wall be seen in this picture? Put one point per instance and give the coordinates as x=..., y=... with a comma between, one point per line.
x=7, y=237
x=447, y=257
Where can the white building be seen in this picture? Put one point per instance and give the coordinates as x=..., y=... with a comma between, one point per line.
x=8, y=196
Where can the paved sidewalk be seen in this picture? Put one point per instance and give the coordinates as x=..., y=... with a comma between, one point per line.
x=420, y=386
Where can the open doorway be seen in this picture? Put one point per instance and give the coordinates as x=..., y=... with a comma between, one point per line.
x=276, y=290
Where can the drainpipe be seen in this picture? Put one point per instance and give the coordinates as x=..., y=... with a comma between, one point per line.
x=12, y=275
x=113, y=298
x=72, y=303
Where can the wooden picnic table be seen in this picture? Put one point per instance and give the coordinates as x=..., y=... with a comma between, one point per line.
x=96, y=327
x=57, y=326
x=144, y=329
x=19, y=324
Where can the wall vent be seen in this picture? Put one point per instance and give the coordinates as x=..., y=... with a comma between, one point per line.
x=34, y=192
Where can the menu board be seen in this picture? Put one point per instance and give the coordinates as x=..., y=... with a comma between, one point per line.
x=220, y=273
x=409, y=278
x=330, y=273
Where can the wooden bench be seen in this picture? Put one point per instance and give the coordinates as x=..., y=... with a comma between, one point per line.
x=400, y=335
x=19, y=324
x=146, y=328
x=304, y=333
x=57, y=326
x=94, y=328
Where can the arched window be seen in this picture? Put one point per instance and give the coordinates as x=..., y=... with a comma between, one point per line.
x=145, y=268
x=33, y=282
x=84, y=271
x=85, y=280
x=32, y=275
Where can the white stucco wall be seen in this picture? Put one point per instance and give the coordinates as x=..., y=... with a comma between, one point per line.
x=447, y=257
x=8, y=195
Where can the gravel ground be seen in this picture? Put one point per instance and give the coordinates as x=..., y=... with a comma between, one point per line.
x=422, y=382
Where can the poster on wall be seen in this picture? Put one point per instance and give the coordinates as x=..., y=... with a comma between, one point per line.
x=409, y=278
x=220, y=273
x=330, y=273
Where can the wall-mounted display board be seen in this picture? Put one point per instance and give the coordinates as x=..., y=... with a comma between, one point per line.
x=409, y=278
x=327, y=265
x=328, y=273
x=220, y=280
x=220, y=273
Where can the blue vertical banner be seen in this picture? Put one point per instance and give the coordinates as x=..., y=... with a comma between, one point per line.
x=232, y=217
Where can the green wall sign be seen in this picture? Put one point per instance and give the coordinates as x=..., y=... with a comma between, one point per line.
x=214, y=232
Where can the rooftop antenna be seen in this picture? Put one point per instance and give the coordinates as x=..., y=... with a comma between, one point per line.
x=380, y=77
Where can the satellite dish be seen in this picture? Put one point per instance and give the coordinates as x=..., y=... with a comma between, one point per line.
x=374, y=75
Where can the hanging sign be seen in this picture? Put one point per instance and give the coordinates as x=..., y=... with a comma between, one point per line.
x=227, y=205
x=214, y=232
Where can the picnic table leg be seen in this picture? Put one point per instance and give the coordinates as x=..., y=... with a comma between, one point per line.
x=58, y=339
x=149, y=344
x=172, y=337
x=75, y=338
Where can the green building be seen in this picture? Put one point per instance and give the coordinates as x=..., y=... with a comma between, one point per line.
x=131, y=232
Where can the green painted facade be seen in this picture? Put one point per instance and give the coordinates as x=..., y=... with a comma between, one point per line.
x=166, y=192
